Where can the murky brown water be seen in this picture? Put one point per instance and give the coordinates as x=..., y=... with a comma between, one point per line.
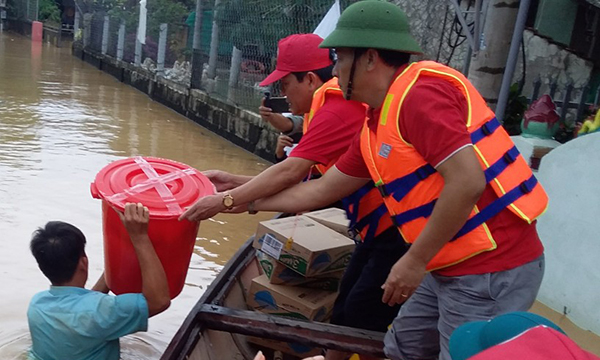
x=61, y=121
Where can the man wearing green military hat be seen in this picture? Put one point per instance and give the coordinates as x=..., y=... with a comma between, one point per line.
x=452, y=180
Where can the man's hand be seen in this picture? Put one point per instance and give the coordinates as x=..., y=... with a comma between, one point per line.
x=204, y=208
x=277, y=120
x=135, y=217
x=224, y=181
x=282, y=142
x=404, y=278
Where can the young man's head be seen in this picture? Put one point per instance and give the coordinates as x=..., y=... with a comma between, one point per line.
x=59, y=249
x=372, y=40
x=302, y=67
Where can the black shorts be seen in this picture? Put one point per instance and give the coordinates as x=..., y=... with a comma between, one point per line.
x=359, y=303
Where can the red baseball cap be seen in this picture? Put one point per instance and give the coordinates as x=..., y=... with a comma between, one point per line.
x=297, y=53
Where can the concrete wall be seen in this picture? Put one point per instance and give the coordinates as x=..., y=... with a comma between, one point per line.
x=570, y=230
x=431, y=22
x=551, y=61
x=22, y=27
x=242, y=127
x=431, y=25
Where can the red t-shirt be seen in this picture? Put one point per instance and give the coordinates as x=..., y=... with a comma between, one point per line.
x=432, y=120
x=331, y=130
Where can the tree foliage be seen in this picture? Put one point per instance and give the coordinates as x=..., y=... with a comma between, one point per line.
x=49, y=12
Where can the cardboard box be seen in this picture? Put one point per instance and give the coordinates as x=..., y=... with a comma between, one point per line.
x=290, y=301
x=333, y=218
x=304, y=245
x=280, y=274
x=295, y=349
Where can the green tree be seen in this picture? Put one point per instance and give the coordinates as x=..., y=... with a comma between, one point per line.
x=49, y=12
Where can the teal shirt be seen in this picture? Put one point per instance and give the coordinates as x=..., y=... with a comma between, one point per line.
x=78, y=324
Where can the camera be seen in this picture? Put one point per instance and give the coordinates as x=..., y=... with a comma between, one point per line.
x=277, y=104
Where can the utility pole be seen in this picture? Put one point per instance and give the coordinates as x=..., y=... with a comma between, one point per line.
x=488, y=66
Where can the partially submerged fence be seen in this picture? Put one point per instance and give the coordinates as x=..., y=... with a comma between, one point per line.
x=224, y=47
x=565, y=101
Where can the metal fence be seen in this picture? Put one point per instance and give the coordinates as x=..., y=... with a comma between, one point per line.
x=23, y=10
x=231, y=50
x=569, y=104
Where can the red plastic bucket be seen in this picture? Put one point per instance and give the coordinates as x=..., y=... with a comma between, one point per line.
x=164, y=186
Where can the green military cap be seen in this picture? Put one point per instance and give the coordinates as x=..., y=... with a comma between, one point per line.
x=373, y=24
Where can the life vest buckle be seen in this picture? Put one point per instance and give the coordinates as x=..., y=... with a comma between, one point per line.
x=486, y=131
x=509, y=158
x=382, y=190
x=525, y=188
x=422, y=173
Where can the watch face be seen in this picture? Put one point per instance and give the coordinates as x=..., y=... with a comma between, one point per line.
x=228, y=201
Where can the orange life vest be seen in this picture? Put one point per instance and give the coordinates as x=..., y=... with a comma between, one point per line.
x=365, y=209
x=410, y=186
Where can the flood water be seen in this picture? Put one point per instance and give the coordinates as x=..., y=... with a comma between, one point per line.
x=61, y=121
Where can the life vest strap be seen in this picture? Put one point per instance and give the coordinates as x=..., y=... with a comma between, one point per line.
x=497, y=206
x=499, y=166
x=485, y=130
x=413, y=214
x=400, y=187
x=351, y=202
x=372, y=220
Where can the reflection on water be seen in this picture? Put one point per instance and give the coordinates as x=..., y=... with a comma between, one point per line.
x=61, y=121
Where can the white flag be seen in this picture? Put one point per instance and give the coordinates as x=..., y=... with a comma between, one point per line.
x=141, y=33
x=327, y=25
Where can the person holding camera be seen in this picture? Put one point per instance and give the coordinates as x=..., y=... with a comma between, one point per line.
x=288, y=124
x=303, y=70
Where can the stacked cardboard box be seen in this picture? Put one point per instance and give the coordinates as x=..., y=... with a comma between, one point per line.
x=303, y=262
x=304, y=245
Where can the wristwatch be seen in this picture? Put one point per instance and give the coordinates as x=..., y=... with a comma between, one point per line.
x=228, y=201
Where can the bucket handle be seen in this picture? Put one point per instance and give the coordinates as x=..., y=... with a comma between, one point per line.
x=94, y=191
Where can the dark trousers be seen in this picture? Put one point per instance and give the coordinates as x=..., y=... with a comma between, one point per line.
x=359, y=303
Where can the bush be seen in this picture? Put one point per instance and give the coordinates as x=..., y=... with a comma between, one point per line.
x=49, y=12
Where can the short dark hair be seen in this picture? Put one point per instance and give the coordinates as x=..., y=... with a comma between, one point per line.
x=57, y=249
x=390, y=57
x=325, y=74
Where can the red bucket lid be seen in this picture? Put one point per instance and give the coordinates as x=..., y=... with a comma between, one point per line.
x=165, y=186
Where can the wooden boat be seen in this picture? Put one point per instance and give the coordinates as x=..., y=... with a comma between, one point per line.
x=219, y=324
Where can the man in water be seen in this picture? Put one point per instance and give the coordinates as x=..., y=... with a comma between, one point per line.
x=71, y=322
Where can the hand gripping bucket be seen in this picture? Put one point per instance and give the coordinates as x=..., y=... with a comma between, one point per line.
x=164, y=186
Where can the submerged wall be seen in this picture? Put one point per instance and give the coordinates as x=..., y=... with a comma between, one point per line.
x=241, y=127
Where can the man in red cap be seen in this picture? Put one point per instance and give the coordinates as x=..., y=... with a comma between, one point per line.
x=330, y=124
x=302, y=69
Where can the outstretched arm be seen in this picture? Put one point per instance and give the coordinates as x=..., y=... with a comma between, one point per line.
x=274, y=179
x=333, y=186
x=154, y=280
x=224, y=181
